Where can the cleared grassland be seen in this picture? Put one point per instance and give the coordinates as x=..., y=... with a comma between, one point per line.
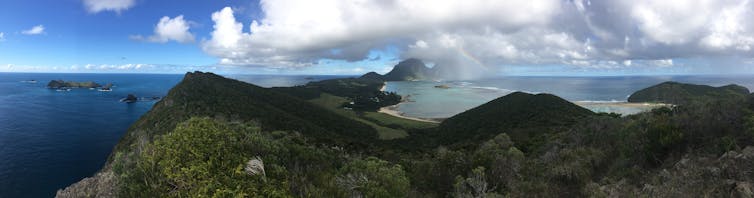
x=388, y=127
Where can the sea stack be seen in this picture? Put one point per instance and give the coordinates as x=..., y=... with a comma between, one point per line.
x=130, y=99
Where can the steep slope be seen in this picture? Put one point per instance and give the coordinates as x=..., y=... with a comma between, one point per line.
x=519, y=114
x=207, y=94
x=679, y=93
x=409, y=69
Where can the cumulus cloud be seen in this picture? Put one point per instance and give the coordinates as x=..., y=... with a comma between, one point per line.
x=95, y=6
x=478, y=33
x=39, y=29
x=167, y=29
x=298, y=33
x=647, y=29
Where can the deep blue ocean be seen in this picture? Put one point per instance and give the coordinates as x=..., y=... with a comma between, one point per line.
x=50, y=139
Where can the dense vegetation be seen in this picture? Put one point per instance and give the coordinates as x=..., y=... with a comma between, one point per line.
x=372, y=76
x=57, y=84
x=679, y=93
x=532, y=115
x=204, y=157
x=209, y=95
x=200, y=140
x=364, y=94
x=387, y=126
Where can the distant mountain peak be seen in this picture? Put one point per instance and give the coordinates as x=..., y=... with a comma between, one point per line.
x=412, y=69
x=411, y=61
x=409, y=69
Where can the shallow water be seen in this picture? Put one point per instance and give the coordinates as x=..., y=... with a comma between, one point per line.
x=426, y=101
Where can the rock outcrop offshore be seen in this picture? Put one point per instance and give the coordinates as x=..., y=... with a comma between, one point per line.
x=58, y=84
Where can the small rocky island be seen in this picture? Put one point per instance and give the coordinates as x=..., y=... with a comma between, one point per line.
x=130, y=99
x=107, y=87
x=60, y=84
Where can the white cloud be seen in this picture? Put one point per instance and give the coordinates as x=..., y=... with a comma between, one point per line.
x=298, y=33
x=479, y=33
x=2, y=36
x=104, y=68
x=39, y=29
x=167, y=29
x=108, y=67
x=663, y=63
x=671, y=22
x=95, y=6
x=714, y=24
x=675, y=28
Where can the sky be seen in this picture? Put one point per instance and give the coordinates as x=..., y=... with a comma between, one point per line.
x=511, y=37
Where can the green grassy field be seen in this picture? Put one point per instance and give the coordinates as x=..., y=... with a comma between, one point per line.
x=388, y=127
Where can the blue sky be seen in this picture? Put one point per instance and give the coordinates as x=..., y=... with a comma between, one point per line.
x=74, y=36
x=516, y=37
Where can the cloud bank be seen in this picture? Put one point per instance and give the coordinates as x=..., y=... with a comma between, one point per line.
x=95, y=6
x=167, y=29
x=621, y=33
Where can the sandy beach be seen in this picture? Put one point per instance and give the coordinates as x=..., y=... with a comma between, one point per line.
x=624, y=108
x=391, y=110
x=623, y=104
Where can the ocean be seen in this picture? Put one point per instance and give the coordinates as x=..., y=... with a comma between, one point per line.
x=594, y=93
x=50, y=139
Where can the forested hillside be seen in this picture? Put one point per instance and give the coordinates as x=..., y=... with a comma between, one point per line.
x=213, y=136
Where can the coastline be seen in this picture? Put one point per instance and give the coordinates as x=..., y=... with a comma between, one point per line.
x=623, y=104
x=623, y=108
x=392, y=110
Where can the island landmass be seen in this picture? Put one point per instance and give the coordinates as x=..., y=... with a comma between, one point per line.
x=314, y=140
x=59, y=84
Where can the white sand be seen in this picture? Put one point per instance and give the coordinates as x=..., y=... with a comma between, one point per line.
x=390, y=110
x=624, y=104
x=625, y=108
